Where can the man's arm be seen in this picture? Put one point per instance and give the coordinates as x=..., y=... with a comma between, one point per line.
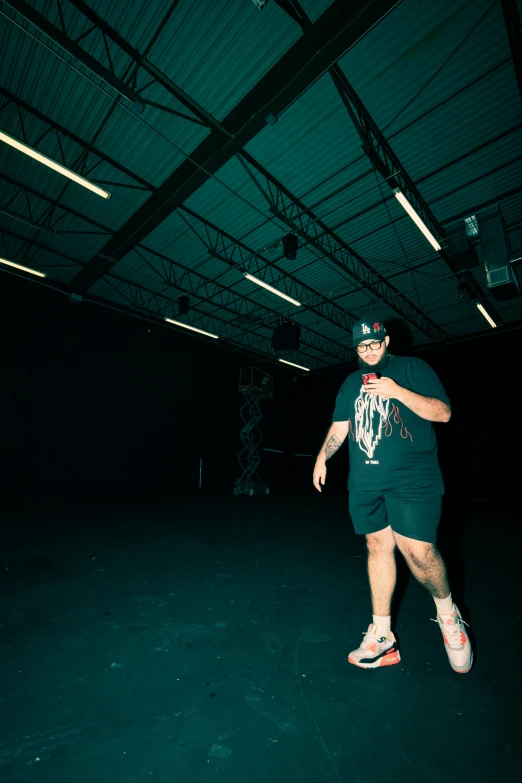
x=429, y=408
x=335, y=438
x=426, y=407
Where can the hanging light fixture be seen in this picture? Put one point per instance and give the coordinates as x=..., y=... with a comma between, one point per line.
x=52, y=164
x=292, y=364
x=192, y=328
x=270, y=288
x=486, y=315
x=403, y=201
x=23, y=268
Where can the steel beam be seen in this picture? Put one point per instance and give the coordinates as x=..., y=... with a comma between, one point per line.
x=193, y=283
x=85, y=148
x=141, y=62
x=144, y=300
x=137, y=300
x=38, y=20
x=294, y=213
x=381, y=155
x=262, y=268
x=296, y=12
x=429, y=175
x=217, y=242
x=248, y=314
x=27, y=191
x=236, y=253
x=339, y=28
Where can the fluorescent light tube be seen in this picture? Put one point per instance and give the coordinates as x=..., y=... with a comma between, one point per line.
x=23, y=268
x=486, y=315
x=295, y=365
x=403, y=201
x=272, y=289
x=52, y=164
x=192, y=328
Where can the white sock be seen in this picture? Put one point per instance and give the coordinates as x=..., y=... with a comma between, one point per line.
x=383, y=624
x=444, y=605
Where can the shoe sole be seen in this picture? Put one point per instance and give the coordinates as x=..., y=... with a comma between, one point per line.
x=463, y=671
x=389, y=659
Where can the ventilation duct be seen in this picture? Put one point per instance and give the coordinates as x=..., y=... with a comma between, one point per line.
x=500, y=274
x=462, y=254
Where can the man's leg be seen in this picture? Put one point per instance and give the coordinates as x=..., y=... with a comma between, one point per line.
x=369, y=517
x=426, y=564
x=416, y=515
x=382, y=570
x=379, y=646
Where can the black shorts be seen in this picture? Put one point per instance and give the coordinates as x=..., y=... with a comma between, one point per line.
x=412, y=511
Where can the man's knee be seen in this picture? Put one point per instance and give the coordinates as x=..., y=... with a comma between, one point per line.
x=382, y=541
x=420, y=554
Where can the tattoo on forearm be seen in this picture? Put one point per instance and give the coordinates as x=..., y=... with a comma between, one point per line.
x=332, y=446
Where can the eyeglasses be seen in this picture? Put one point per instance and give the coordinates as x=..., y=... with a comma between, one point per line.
x=375, y=345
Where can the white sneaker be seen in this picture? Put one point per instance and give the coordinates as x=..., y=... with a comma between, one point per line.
x=375, y=650
x=456, y=640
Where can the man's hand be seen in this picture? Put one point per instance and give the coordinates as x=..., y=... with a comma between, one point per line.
x=319, y=474
x=335, y=438
x=386, y=387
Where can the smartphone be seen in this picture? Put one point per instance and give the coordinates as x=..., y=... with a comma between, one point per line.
x=370, y=376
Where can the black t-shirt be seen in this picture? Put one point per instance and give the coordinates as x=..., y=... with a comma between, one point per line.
x=389, y=445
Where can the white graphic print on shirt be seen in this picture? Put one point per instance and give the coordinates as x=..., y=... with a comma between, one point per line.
x=373, y=415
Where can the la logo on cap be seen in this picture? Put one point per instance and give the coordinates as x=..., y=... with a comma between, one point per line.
x=366, y=329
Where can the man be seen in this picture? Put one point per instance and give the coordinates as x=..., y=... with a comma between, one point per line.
x=395, y=485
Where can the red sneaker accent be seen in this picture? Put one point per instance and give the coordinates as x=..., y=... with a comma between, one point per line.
x=389, y=660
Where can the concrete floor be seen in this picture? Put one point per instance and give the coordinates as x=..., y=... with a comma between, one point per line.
x=207, y=641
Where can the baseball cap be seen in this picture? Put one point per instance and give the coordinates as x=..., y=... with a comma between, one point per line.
x=368, y=328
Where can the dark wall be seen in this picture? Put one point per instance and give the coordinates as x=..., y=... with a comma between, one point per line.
x=96, y=403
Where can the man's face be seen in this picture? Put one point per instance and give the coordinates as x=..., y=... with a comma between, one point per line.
x=374, y=360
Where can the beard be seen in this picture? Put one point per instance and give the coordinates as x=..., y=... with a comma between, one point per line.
x=377, y=366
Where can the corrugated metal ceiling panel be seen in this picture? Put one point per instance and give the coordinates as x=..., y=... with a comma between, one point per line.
x=216, y=52
x=310, y=141
x=20, y=243
x=410, y=47
x=456, y=128
x=155, y=142
x=500, y=154
x=509, y=311
x=483, y=190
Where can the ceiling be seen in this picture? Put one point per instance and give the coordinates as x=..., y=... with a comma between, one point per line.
x=218, y=128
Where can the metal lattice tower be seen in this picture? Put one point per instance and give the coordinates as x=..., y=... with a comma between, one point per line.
x=255, y=386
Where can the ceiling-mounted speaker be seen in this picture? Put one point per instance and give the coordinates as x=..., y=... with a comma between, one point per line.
x=183, y=303
x=290, y=246
x=286, y=336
